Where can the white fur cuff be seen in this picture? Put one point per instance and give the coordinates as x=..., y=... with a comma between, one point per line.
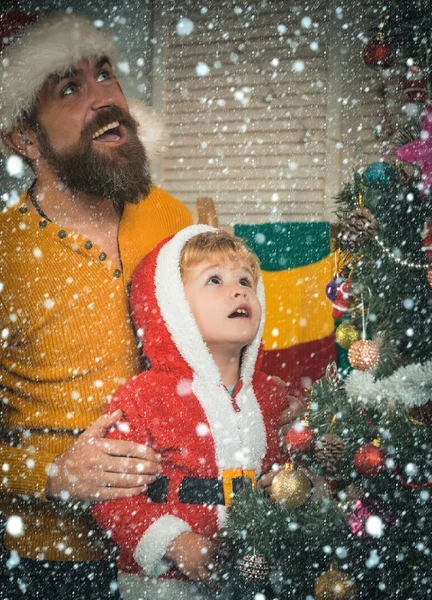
x=152, y=547
x=151, y=129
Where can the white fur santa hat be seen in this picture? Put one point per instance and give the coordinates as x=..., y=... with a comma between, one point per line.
x=52, y=45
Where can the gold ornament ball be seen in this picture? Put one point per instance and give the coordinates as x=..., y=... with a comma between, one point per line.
x=335, y=585
x=364, y=355
x=291, y=487
x=429, y=277
x=346, y=334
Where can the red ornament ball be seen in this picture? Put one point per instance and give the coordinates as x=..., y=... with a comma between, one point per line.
x=378, y=54
x=300, y=439
x=369, y=460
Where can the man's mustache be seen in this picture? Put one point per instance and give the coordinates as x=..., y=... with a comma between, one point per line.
x=104, y=117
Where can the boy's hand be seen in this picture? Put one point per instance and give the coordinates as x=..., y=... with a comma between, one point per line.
x=96, y=468
x=193, y=554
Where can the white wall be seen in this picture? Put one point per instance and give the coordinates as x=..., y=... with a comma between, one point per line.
x=287, y=110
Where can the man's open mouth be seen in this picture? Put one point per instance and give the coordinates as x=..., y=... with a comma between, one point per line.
x=108, y=133
x=240, y=313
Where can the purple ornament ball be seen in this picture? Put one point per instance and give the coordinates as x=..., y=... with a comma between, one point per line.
x=331, y=289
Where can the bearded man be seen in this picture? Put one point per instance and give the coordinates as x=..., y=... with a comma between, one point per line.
x=67, y=251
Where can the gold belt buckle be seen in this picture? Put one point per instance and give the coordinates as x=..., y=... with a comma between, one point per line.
x=227, y=480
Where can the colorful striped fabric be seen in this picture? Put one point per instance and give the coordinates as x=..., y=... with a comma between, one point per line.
x=296, y=266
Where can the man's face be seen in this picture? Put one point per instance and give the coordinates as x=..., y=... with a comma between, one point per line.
x=87, y=136
x=222, y=298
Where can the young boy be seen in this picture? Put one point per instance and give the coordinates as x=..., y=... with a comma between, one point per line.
x=198, y=302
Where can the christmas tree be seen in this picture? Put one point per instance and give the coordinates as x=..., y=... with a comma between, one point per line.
x=351, y=512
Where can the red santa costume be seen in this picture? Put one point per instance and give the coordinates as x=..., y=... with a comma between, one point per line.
x=208, y=439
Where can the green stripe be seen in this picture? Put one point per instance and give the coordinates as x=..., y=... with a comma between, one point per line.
x=283, y=246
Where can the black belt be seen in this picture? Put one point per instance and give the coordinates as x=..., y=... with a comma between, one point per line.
x=197, y=490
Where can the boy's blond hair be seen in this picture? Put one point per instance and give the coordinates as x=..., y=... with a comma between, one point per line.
x=219, y=243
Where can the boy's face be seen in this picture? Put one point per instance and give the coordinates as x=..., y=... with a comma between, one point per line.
x=221, y=294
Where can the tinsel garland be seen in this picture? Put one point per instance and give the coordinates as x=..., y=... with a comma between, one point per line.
x=409, y=386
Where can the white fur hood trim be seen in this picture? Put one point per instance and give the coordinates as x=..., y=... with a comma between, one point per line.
x=239, y=437
x=151, y=129
x=179, y=319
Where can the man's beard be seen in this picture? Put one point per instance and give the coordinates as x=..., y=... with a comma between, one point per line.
x=122, y=177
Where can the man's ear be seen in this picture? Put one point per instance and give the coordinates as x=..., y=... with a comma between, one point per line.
x=23, y=141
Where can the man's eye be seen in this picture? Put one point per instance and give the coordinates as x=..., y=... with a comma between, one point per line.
x=214, y=280
x=245, y=281
x=70, y=88
x=103, y=75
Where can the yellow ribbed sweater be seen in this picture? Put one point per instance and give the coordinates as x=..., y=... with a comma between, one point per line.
x=67, y=345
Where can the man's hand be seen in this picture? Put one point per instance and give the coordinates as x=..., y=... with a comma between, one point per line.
x=295, y=410
x=265, y=481
x=95, y=468
x=193, y=554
